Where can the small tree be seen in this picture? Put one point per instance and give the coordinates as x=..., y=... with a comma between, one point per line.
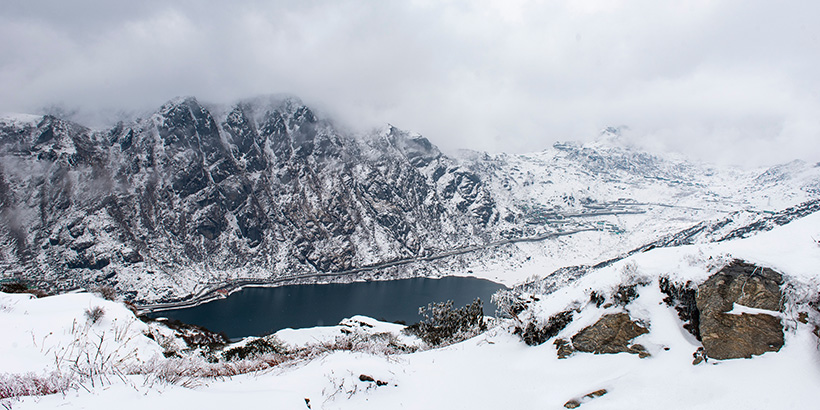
x=255, y=348
x=444, y=325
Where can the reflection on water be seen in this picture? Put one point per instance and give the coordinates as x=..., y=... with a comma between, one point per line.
x=260, y=311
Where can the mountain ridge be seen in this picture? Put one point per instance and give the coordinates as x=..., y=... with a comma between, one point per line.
x=162, y=206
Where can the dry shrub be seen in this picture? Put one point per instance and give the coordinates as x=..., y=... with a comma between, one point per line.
x=19, y=287
x=444, y=325
x=255, y=348
x=266, y=353
x=30, y=384
x=191, y=370
x=106, y=292
x=381, y=344
x=94, y=314
x=93, y=360
x=535, y=334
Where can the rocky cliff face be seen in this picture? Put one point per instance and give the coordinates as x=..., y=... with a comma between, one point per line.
x=267, y=187
x=195, y=195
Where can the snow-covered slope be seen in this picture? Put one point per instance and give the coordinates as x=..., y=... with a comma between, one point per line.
x=631, y=201
x=498, y=370
x=62, y=333
x=196, y=197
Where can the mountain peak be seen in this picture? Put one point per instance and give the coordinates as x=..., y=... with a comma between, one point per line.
x=416, y=148
x=177, y=101
x=612, y=136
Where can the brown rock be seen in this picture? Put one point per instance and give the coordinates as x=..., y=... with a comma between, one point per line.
x=366, y=378
x=610, y=334
x=803, y=317
x=639, y=350
x=741, y=283
x=741, y=336
x=564, y=349
x=727, y=336
x=700, y=357
x=575, y=403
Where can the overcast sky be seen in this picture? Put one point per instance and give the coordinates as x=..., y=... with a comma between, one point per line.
x=728, y=81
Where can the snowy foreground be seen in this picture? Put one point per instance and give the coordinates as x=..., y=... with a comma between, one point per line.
x=493, y=370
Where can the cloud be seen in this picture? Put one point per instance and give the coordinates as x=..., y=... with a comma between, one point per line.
x=725, y=81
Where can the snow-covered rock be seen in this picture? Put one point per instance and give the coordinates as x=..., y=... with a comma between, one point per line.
x=728, y=331
x=356, y=325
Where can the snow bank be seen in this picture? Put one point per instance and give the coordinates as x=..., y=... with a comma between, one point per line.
x=51, y=333
x=364, y=325
x=496, y=369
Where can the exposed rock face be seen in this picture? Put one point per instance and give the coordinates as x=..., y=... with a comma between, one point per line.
x=611, y=334
x=192, y=193
x=683, y=297
x=563, y=348
x=731, y=336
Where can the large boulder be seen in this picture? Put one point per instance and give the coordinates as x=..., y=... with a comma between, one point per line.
x=731, y=336
x=610, y=334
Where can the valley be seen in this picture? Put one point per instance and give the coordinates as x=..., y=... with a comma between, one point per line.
x=199, y=198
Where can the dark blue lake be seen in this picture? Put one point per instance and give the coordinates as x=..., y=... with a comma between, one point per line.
x=261, y=311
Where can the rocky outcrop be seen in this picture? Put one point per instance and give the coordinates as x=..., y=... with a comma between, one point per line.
x=534, y=334
x=729, y=335
x=611, y=334
x=575, y=403
x=563, y=349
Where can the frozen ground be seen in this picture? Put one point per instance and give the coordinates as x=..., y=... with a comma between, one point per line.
x=493, y=370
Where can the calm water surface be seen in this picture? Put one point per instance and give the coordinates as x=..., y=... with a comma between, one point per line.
x=261, y=311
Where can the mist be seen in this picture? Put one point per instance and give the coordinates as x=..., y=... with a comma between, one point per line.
x=721, y=81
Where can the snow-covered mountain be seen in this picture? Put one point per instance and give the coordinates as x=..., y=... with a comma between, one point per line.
x=196, y=196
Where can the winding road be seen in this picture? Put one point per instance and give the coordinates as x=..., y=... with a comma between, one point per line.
x=218, y=291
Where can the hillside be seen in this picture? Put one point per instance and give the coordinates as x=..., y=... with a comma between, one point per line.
x=658, y=368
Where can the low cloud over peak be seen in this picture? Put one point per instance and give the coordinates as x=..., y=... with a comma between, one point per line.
x=724, y=81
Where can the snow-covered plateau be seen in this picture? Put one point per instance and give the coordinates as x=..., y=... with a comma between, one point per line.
x=646, y=331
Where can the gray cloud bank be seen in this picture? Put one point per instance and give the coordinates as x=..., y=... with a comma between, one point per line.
x=727, y=81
